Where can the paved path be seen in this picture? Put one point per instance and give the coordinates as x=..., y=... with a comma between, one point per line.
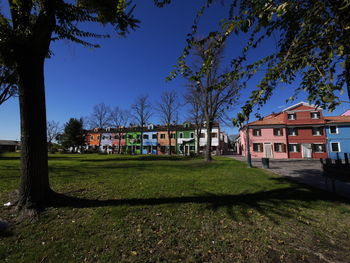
x=308, y=172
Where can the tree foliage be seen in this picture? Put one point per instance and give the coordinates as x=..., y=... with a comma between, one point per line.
x=8, y=84
x=312, y=42
x=74, y=135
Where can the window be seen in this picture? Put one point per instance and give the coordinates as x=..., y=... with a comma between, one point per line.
x=145, y=136
x=335, y=147
x=138, y=136
x=315, y=115
x=116, y=137
x=333, y=130
x=279, y=147
x=130, y=136
x=110, y=137
x=292, y=131
x=202, y=135
x=180, y=135
x=103, y=137
x=154, y=136
x=123, y=136
x=293, y=148
x=192, y=136
x=92, y=137
x=292, y=116
x=98, y=137
x=162, y=136
x=214, y=135
x=192, y=148
x=138, y=147
x=162, y=148
x=319, y=148
x=257, y=147
x=173, y=135
x=256, y=132
x=278, y=131
x=317, y=131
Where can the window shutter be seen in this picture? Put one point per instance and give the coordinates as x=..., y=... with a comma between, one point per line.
x=274, y=147
x=296, y=131
x=261, y=147
x=283, y=147
x=298, y=147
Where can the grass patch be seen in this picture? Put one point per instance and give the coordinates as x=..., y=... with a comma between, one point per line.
x=170, y=209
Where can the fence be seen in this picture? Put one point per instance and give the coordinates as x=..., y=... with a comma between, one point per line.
x=337, y=169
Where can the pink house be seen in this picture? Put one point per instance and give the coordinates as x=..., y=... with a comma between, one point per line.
x=267, y=138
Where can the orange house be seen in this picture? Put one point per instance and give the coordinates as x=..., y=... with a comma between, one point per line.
x=163, y=142
x=92, y=139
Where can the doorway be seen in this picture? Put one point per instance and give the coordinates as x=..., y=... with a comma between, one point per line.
x=306, y=150
x=268, y=150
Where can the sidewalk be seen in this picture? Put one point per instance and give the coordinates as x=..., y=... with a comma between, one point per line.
x=307, y=172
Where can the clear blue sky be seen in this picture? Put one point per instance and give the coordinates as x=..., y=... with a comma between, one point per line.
x=77, y=78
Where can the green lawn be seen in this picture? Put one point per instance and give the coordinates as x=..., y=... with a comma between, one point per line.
x=160, y=209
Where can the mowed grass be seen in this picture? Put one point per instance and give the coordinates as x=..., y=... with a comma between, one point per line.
x=160, y=209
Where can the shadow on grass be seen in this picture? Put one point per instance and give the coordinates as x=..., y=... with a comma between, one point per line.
x=271, y=204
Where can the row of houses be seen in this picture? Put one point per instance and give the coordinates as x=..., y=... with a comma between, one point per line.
x=155, y=140
x=299, y=131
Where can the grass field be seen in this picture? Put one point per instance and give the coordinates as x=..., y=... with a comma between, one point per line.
x=160, y=209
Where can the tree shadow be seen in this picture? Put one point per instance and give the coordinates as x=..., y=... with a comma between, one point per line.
x=270, y=204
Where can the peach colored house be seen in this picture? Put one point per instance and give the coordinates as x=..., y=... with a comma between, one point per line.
x=163, y=141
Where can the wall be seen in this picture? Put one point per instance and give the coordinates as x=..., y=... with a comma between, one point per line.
x=343, y=137
x=165, y=142
x=149, y=145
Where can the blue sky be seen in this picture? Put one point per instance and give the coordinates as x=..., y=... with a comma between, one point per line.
x=77, y=78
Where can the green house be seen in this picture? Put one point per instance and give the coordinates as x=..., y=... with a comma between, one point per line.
x=133, y=142
x=186, y=139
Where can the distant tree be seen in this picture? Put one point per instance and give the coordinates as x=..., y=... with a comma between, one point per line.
x=100, y=118
x=8, y=84
x=195, y=113
x=73, y=135
x=168, y=112
x=142, y=112
x=215, y=95
x=26, y=32
x=53, y=130
x=119, y=118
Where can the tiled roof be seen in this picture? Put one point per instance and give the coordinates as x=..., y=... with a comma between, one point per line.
x=337, y=119
x=268, y=120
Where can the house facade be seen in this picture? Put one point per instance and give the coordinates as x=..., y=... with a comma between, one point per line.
x=149, y=142
x=338, y=136
x=154, y=139
x=215, y=135
x=163, y=141
x=296, y=132
x=133, y=142
x=186, y=141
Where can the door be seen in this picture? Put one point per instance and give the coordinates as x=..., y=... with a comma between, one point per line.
x=187, y=152
x=268, y=150
x=306, y=150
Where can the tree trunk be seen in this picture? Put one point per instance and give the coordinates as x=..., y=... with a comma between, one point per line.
x=347, y=73
x=119, y=141
x=208, y=146
x=198, y=134
x=34, y=184
x=169, y=142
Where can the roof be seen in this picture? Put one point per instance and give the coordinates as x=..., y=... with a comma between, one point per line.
x=8, y=142
x=347, y=113
x=271, y=119
x=302, y=103
x=338, y=119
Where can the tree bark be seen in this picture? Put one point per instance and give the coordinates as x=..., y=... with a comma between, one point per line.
x=169, y=142
x=208, y=146
x=198, y=133
x=34, y=185
x=347, y=73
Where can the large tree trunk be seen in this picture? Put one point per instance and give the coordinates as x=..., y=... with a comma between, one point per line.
x=34, y=186
x=208, y=146
x=119, y=141
x=198, y=135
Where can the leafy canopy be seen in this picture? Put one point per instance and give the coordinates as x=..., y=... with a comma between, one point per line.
x=312, y=41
